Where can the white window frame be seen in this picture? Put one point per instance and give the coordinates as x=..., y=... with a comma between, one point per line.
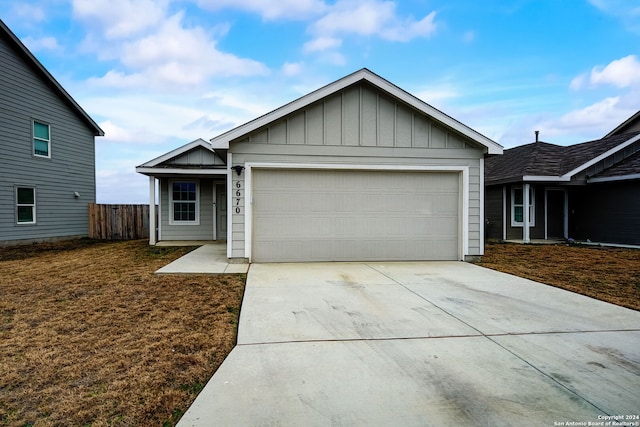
x=34, y=138
x=532, y=207
x=31, y=205
x=172, y=221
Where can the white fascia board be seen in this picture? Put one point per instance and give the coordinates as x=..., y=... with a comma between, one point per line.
x=614, y=178
x=222, y=141
x=175, y=171
x=602, y=156
x=550, y=178
x=178, y=151
x=343, y=166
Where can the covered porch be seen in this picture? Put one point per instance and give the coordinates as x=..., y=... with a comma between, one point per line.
x=189, y=187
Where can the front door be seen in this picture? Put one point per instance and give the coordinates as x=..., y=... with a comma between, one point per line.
x=556, y=214
x=221, y=211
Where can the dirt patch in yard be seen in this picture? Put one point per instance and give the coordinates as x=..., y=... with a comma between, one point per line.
x=607, y=274
x=90, y=336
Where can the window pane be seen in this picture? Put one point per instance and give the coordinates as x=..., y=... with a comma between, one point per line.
x=25, y=214
x=25, y=196
x=184, y=211
x=40, y=130
x=517, y=196
x=517, y=214
x=183, y=191
x=41, y=148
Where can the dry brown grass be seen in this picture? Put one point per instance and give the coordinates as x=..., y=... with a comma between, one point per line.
x=90, y=336
x=607, y=274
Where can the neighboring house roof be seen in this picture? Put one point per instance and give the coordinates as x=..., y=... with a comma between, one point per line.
x=628, y=168
x=221, y=142
x=40, y=70
x=629, y=125
x=541, y=161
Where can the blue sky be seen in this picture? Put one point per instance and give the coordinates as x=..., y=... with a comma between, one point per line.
x=156, y=74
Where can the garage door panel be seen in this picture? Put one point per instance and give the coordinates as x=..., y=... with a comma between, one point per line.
x=323, y=215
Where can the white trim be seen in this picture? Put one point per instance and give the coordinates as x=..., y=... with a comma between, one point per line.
x=171, y=201
x=152, y=210
x=222, y=141
x=248, y=187
x=229, y=211
x=532, y=202
x=176, y=171
x=33, y=205
x=550, y=178
x=34, y=138
x=614, y=178
x=623, y=124
x=482, y=224
x=602, y=156
x=176, y=152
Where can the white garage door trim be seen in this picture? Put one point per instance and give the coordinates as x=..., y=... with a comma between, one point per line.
x=249, y=166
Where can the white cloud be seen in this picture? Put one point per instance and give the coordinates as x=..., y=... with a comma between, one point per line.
x=29, y=11
x=322, y=43
x=174, y=57
x=44, y=43
x=372, y=17
x=627, y=11
x=623, y=72
x=271, y=10
x=119, y=19
x=290, y=69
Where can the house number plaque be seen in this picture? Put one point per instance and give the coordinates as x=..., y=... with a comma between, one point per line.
x=237, y=199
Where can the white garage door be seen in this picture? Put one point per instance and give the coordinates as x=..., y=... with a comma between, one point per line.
x=346, y=215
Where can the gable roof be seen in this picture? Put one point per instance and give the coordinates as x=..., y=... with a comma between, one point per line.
x=222, y=141
x=541, y=161
x=628, y=168
x=629, y=125
x=22, y=51
x=165, y=165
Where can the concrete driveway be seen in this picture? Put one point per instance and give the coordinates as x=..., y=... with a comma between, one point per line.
x=418, y=344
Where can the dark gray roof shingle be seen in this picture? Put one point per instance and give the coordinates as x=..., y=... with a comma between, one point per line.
x=544, y=159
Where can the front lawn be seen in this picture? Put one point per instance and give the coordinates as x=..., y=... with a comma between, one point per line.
x=607, y=274
x=89, y=336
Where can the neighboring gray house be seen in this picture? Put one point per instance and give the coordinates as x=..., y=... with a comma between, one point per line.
x=47, y=151
x=356, y=170
x=588, y=191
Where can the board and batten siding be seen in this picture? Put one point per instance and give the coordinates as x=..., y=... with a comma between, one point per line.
x=358, y=126
x=25, y=97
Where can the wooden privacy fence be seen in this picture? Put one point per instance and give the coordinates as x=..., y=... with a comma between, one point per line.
x=118, y=222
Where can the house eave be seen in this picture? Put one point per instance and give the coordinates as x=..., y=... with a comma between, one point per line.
x=602, y=156
x=162, y=172
x=614, y=178
x=222, y=141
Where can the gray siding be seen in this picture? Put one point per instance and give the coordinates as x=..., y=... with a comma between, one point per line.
x=606, y=212
x=493, y=212
x=204, y=229
x=24, y=96
x=197, y=157
x=354, y=127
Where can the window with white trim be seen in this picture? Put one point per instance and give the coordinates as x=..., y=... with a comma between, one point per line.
x=184, y=202
x=517, y=207
x=41, y=139
x=25, y=205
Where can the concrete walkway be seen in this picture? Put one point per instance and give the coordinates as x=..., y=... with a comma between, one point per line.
x=207, y=259
x=419, y=344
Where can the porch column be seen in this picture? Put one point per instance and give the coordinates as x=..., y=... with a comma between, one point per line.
x=152, y=210
x=525, y=213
